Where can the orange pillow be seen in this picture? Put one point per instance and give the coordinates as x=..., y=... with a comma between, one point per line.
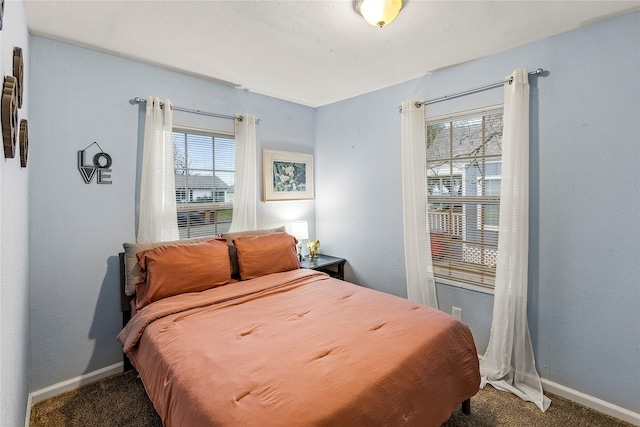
x=233, y=254
x=270, y=253
x=173, y=270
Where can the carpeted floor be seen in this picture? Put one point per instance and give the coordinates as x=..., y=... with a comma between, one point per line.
x=120, y=400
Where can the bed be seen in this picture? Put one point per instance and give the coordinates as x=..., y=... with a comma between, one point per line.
x=270, y=344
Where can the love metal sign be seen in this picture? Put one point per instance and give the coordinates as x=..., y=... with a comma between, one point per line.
x=100, y=167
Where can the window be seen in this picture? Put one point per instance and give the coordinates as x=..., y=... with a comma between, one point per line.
x=204, y=165
x=464, y=166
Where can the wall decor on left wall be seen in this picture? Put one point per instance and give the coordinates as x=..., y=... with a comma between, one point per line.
x=18, y=73
x=24, y=142
x=9, y=113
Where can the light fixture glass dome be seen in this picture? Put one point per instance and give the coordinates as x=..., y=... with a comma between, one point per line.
x=378, y=12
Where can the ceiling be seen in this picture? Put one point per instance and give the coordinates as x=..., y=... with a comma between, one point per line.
x=312, y=52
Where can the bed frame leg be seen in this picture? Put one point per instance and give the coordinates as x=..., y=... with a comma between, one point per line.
x=127, y=366
x=466, y=407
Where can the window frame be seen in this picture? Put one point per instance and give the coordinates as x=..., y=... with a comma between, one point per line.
x=189, y=206
x=448, y=118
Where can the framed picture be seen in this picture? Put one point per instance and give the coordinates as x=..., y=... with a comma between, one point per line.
x=287, y=175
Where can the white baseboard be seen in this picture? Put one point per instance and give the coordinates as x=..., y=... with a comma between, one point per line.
x=73, y=383
x=27, y=417
x=592, y=402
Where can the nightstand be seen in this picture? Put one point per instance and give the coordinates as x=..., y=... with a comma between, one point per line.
x=333, y=266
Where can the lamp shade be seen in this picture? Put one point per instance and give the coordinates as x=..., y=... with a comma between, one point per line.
x=378, y=12
x=300, y=230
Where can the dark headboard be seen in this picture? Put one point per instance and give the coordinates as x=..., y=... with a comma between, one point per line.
x=125, y=300
x=125, y=306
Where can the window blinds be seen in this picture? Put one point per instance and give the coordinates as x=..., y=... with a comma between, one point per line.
x=464, y=166
x=205, y=178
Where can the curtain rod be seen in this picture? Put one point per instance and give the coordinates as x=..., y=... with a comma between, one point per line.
x=537, y=72
x=138, y=100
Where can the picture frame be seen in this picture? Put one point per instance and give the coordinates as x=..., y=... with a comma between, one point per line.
x=287, y=175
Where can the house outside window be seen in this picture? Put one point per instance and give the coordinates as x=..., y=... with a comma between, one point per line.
x=489, y=185
x=204, y=164
x=464, y=166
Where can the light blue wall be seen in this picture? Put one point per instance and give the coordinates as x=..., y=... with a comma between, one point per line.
x=584, y=268
x=77, y=229
x=14, y=242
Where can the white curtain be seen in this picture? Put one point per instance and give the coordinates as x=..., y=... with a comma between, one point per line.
x=421, y=285
x=157, y=218
x=508, y=363
x=245, y=196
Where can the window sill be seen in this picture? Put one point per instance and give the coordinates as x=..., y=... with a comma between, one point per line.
x=474, y=288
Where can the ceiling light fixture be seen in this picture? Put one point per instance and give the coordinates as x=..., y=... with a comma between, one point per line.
x=378, y=12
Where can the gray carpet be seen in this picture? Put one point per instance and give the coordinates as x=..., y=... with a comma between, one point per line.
x=120, y=400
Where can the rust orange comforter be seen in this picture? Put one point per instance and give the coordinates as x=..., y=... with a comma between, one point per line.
x=300, y=349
